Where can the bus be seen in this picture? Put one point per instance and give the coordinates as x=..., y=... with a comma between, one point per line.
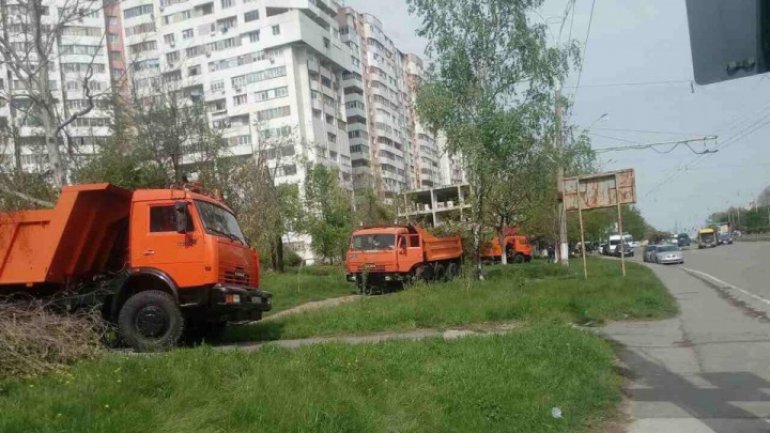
x=707, y=238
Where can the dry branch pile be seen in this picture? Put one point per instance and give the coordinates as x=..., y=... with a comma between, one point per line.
x=35, y=340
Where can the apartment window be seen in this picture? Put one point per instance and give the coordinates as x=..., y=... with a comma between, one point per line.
x=330, y=119
x=273, y=113
x=289, y=170
x=194, y=70
x=241, y=140
x=140, y=28
x=254, y=77
x=137, y=11
x=217, y=86
x=89, y=50
x=239, y=99
x=326, y=82
x=331, y=137
x=251, y=16
x=172, y=57
x=271, y=94
x=327, y=43
x=112, y=38
x=142, y=47
x=82, y=67
x=117, y=72
x=187, y=34
x=227, y=3
x=254, y=36
x=316, y=113
x=169, y=39
x=276, y=30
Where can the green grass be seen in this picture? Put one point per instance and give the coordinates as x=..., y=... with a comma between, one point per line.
x=534, y=292
x=481, y=384
x=300, y=285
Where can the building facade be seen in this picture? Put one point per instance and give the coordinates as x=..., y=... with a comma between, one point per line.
x=69, y=77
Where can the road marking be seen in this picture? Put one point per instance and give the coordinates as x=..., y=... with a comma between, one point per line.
x=728, y=285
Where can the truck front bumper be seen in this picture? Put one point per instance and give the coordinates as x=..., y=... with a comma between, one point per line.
x=377, y=277
x=236, y=304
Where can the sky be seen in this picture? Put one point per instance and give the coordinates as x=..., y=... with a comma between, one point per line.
x=638, y=71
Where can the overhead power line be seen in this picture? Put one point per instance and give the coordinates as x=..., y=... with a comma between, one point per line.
x=674, y=146
x=632, y=84
x=585, y=50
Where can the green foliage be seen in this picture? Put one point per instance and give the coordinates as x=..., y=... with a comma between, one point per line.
x=371, y=210
x=752, y=220
x=482, y=384
x=16, y=189
x=329, y=218
x=491, y=93
x=535, y=292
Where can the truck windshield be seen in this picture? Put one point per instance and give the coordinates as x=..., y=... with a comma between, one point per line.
x=373, y=242
x=219, y=221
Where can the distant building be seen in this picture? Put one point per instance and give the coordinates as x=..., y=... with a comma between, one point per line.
x=435, y=206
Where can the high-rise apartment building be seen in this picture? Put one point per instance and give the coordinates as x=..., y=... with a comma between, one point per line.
x=76, y=64
x=376, y=93
x=264, y=69
x=391, y=150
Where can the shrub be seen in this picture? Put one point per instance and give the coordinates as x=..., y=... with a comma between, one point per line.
x=35, y=340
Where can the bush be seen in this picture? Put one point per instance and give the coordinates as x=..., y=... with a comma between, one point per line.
x=35, y=340
x=291, y=258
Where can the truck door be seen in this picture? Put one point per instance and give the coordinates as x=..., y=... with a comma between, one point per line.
x=157, y=244
x=409, y=252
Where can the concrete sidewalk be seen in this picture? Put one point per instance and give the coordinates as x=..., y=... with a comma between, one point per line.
x=708, y=370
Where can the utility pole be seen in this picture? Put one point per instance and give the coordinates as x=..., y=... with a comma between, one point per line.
x=563, y=243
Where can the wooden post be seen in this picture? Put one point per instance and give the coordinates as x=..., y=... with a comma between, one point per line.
x=620, y=226
x=582, y=233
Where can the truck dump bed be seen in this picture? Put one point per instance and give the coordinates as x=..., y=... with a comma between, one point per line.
x=441, y=248
x=85, y=234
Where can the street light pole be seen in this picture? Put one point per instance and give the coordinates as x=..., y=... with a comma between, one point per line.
x=562, y=210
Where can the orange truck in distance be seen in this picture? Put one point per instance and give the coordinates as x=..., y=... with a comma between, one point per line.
x=154, y=261
x=390, y=254
x=517, y=247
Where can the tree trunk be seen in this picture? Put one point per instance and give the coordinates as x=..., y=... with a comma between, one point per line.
x=47, y=99
x=477, y=207
x=503, y=247
x=279, y=265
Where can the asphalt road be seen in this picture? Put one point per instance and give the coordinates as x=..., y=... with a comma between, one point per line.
x=707, y=370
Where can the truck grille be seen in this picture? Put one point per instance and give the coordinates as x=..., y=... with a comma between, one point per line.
x=369, y=267
x=237, y=276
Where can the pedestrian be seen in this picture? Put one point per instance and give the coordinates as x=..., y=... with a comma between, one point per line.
x=551, y=253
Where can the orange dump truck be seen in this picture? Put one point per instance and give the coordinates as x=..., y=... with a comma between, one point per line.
x=154, y=261
x=379, y=255
x=517, y=247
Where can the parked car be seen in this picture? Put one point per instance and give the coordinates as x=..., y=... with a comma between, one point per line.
x=649, y=253
x=627, y=250
x=668, y=254
x=725, y=239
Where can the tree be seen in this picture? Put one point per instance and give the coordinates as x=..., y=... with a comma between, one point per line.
x=329, y=217
x=371, y=210
x=490, y=57
x=29, y=46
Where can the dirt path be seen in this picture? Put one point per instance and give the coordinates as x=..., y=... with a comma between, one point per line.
x=311, y=306
x=417, y=334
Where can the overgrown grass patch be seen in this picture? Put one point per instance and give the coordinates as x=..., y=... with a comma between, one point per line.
x=538, y=293
x=486, y=384
x=300, y=285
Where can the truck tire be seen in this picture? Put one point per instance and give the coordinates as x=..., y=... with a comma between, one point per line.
x=439, y=273
x=519, y=258
x=150, y=321
x=451, y=271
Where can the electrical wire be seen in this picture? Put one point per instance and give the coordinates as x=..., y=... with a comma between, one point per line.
x=647, y=131
x=635, y=83
x=585, y=51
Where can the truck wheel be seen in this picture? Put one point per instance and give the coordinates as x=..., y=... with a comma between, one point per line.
x=440, y=272
x=519, y=258
x=451, y=271
x=150, y=321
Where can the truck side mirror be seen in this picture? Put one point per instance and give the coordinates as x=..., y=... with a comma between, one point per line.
x=180, y=209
